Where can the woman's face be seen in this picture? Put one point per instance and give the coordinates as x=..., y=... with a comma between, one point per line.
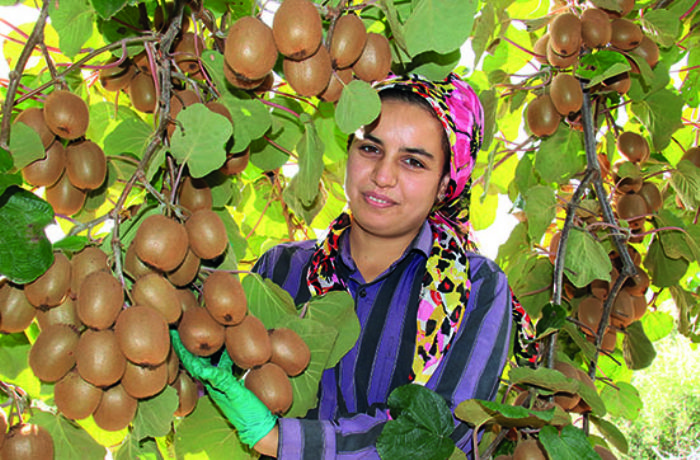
x=394, y=171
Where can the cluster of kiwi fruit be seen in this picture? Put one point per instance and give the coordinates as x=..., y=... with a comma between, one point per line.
x=24, y=441
x=530, y=448
x=73, y=165
x=311, y=67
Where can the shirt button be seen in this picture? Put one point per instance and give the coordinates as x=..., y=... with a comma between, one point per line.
x=363, y=293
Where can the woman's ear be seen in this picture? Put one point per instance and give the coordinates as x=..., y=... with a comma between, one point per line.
x=442, y=188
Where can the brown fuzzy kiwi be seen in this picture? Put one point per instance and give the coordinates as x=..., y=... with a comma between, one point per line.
x=560, y=62
x=116, y=77
x=297, y=29
x=540, y=49
x=248, y=343
x=34, y=118
x=638, y=283
x=99, y=359
x=542, y=116
x=567, y=401
x=348, y=41
x=142, y=92
x=309, y=77
x=46, y=171
x=141, y=63
x=626, y=35
x=271, y=385
x=187, y=52
x=375, y=61
x=49, y=289
x=629, y=184
x=100, y=301
x=172, y=363
x=240, y=82
x=66, y=313
x=89, y=260
x=64, y=197
x=187, y=299
x=76, y=398
x=692, y=155
x=143, y=337
x=187, y=394
x=619, y=83
x=631, y=206
x=566, y=93
x=116, y=409
x=652, y=196
x=154, y=291
x=144, y=381
x=135, y=267
x=529, y=449
x=235, y=163
x=200, y=333
x=207, y=234
x=250, y=49
x=53, y=353
x=161, y=242
x=224, y=298
x=647, y=49
x=26, y=441
x=565, y=34
x=633, y=147
x=16, y=313
x=599, y=288
x=589, y=314
x=289, y=351
x=554, y=246
x=186, y=272
x=639, y=304
x=194, y=194
x=66, y=114
x=596, y=29
x=622, y=313
x=86, y=165
x=338, y=80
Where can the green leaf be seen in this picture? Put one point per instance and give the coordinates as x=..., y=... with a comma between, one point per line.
x=71, y=243
x=236, y=239
x=155, y=414
x=553, y=318
x=434, y=66
x=308, y=212
x=310, y=151
x=662, y=26
x=8, y=180
x=524, y=174
x=25, y=145
x=200, y=142
x=6, y=161
x=126, y=23
x=69, y=440
x=638, y=350
x=73, y=21
x=132, y=448
x=421, y=426
x=688, y=306
x=663, y=271
x=658, y=324
x=286, y=131
x=622, y=400
x=108, y=8
x=674, y=242
x=336, y=309
x=359, y=105
x=130, y=136
x=25, y=251
x=568, y=444
x=266, y=300
x=532, y=276
x=560, y=156
x=601, y=65
x=207, y=433
x=581, y=342
x=489, y=101
x=541, y=209
x=685, y=180
x=611, y=433
x=392, y=18
x=660, y=112
x=586, y=259
x=14, y=352
x=484, y=26
x=542, y=377
x=439, y=25
x=250, y=120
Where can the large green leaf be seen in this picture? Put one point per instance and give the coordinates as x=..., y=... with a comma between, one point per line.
x=359, y=105
x=638, y=350
x=688, y=312
x=477, y=412
x=108, y=8
x=73, y=21
x=541, y=209
x=69, y=440
x=662, y=25
x=660, y=112
x=130, y=136
x=685, y=180
x=601, y=65
x=266, y=300
x=251, y=120
x=560, y=156
x=675, y=243
x=611, y=433
x=154, y=415
x=586, y=259
x=272, y=152
x=658, y=324
x=531, y=280
x=336, y=309
x=439, y=25
x=132, y=448
x=663, y=271
x=25, y=145
x=569, y=443
x=310, y=151
x=622, y=400
x=542, y=377
x=25, y=251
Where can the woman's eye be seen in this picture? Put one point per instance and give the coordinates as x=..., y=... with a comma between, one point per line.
x=412, y=162
x=371, y=149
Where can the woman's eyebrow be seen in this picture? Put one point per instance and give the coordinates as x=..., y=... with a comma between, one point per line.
x=412, y=150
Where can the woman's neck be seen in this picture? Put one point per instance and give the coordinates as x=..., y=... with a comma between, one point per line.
x=373, y=254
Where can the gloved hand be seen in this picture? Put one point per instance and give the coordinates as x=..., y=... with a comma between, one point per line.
x=251, y=418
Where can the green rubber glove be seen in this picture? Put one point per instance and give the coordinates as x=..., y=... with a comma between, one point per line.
x=251, y=418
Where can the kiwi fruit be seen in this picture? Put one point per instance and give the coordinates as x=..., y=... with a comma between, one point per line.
x=100, y=301
x=200, y=333
x=207, y=234
x=143, y=382
x=596, y=29
x=622, y=313
x=554, y=246
x=638, y=283
x=26, y=441
x=172, y=363
x=348, y=41
x=599, y=288
x=154, y=291
x=65, y=198
x=49, y=289
x=309, y=77
x=560, y=62
x=187, y=52
x=194, y=194
x=565, y=34
x=240, y=82
x=289, y=351
x=621, y=83
x=99, y=359
x=65, y=313
x=692, y=155
x=589, y=314
x=631, y=206
x=540, y=49
x=375, y=61
x=652, y=196
x=34, y=118
x=46, y=171
x=271, y=385
x=187, y=299
x=76, y=398
x=224, y=298
x=248, y=343
x=143, y=337
x=142, y=92
x=626, y=35
x=66, y=114
x=624, y=7
x=161, y=242
x=16, y=313
x=633, y=147
x=54, y=353
x=186, y=272
x=89, y=260
x=86, y=165
x=566, y=93
x=567, y=401
x=639, y=305
x=339, y=79
x=116, y=409
x=141, y=63
x=135, y=267
x=116, y=77
x=529, y=449
x=297, y=30
x=187, y=393
x=630, y=183
x=235, y=163
x=542, y=116
x=648, y=50
x=250, y=49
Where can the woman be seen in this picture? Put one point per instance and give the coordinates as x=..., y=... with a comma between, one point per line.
x=431, y=310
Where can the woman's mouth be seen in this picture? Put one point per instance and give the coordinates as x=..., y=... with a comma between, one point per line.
x=378, y=200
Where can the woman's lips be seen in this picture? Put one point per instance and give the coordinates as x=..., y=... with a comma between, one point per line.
x=378, y=200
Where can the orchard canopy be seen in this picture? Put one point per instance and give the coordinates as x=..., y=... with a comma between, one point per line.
x=117, y=113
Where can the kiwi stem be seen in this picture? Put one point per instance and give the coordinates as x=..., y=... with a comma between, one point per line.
x=82, y=226
x=280, y=147
x=279, y=106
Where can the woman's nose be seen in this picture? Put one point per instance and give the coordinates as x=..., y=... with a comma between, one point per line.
x=385, y=173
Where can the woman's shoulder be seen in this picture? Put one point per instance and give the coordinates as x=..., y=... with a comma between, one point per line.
x=481, y=266
x=293, y=253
